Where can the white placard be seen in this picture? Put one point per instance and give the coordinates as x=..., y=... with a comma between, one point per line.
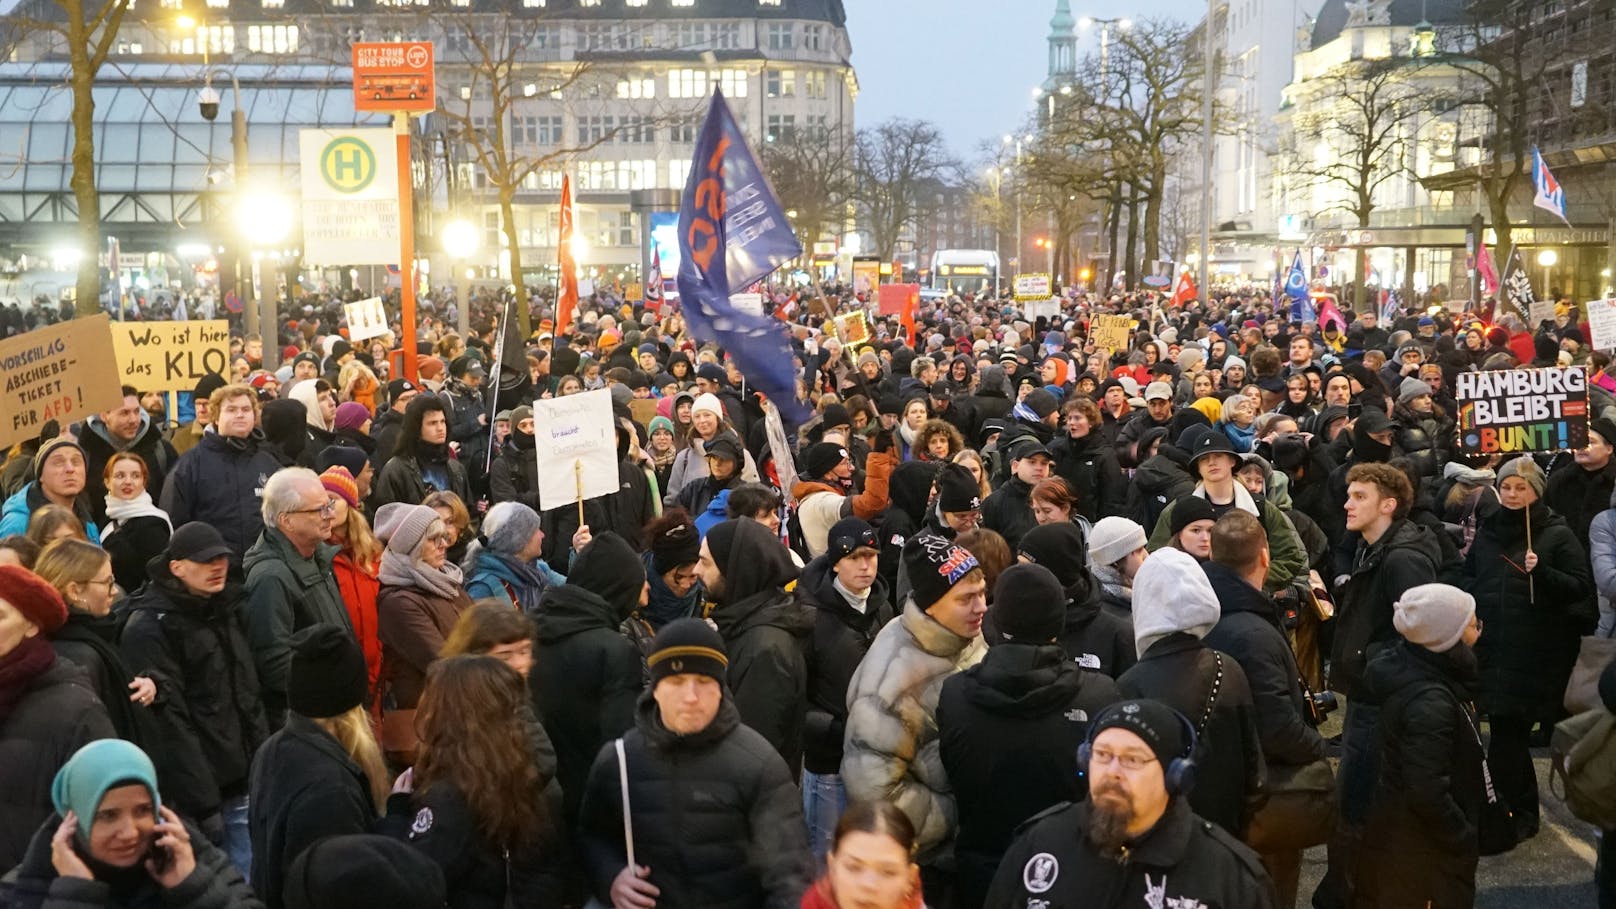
x=747, y=303
x=1048, y=309
x=1542, y=311
x=1602, y=324
x=575, y=430
x=366, y=319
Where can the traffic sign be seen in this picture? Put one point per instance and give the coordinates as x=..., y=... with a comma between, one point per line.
x=394, y=76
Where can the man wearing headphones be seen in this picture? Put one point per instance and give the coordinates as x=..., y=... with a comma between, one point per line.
x=1135, y=842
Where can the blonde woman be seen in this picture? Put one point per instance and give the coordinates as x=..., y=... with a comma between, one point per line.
x=973, y=462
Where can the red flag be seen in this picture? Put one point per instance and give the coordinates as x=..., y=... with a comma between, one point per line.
x=1329, y=312
x=1184, y=291
x=907, y=320
x=567, y=291
x=1486, y=272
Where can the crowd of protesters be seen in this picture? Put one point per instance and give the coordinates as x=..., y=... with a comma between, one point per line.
x=1010, y=621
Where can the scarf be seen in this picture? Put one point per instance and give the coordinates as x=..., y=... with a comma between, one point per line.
x=530, y=584
x=26, y=662
x=400, y=570
x=664, y=462
x=1022, y=412
x=122, y=510
x=907, y=433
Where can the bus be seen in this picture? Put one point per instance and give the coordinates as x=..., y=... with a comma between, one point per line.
x=965, y=271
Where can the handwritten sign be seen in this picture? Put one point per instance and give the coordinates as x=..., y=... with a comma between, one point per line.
x=1031, y=287
x=170, y=356
x=366, y=319
x=1505, y=411
x=1602, y=324
x=65, y=373
x=575, y=430
x=1110, y=332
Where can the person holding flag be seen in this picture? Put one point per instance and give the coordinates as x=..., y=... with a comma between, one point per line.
x=1296, y=288
x=567, y=287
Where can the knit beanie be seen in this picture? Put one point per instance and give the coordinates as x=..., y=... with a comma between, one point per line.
x=1411, y=389
x=1171, y=594
x=1057, y=547
x=1187, y=510
x=687, y=645
x=207, y=385
x=349, y=457
x=51, y=447
x=1158, y=725
x=94, y=770
x=350, y=415
x=363, y=870
x=29, y=594
x=1525, y=468
x=340, y=483
x=707, y=402
x=935, y=564
x=1029, y=604
x=1112, y=539
x=957, y=490
x=520, y=413
x=1605, y=427
x=327, y=676
x=658, y=423
x=836, y=415
x=387, y=519
x=509, y=526
x=679, y=545
x=1041, y=403
x=848, y=536
x=408, y=527
x=1433, y=616
x=821, y=459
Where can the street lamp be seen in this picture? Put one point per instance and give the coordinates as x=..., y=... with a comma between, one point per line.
x=460, y=241
x=264, y=220
x=1123, y=24
x=1018, y=141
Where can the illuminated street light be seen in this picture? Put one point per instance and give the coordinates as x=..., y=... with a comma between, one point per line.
x=1548, y=258
x=460, y=241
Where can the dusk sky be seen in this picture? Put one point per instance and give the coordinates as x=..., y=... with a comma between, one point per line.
x=967, y=65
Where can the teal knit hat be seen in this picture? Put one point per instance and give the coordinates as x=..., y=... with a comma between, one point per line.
x=100, y=766
x=660, y=422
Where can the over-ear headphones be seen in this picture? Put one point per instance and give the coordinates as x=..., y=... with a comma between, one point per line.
x=1179, y=774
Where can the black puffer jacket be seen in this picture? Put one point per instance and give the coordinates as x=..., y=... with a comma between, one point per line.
x=1531, y=628
x=219, y=482
x=1095, y=638
x=1008, y=511
x=1009, y=729
x=1182, y=672
x=1425, y=439
x=716, y=817
x=402, y=480
x=1160, y=480
x=840, y=638
x=1572, y=492
x=1249, y=631
x=1089, y=466
x=210, y=716
x=1405, y=556
x=1419, y=843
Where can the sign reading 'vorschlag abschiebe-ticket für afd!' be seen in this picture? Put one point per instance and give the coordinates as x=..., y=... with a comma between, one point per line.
x=1510, y=410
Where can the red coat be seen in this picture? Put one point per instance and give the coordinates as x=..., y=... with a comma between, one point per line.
x=359, y=587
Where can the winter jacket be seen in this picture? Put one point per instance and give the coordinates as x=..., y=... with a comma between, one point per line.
x=910, y=489
x=1425, y=439
x=463, y=405
x=479, y=874
x=1095, y=638
x=891, y=750
x=1419, y=842
x=221, y=482
x=1288, y=558
x=514, y=475
x=690, y=465
x=16, y=511
x=1532, y=625
x=34, y=883
x=841, y=636
x=286, y=593
x=59, y=715
x=1405, y=556
x=359, y=588
x=820, y=505
x=1181, y=671
x=385, y=430
x=1249, y=630
x=133, y=543
x=1008, y=511
x=1182, y=861
x=1009, y=728
x=305, y=788
x=99, y=447
x=1127, y=441
x=412, y=624
x=585, y=681
x=1090, y=468
x=494, y=577
x=715, y=815
x=1160, y=480
x=1578, y=495
x=403, y=480
x=766, y=635
x=210, y=714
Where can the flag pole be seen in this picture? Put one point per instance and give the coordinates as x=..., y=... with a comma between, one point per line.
x=1531, y=588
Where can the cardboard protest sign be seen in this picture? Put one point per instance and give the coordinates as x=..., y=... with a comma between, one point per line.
x=1110, y=332
x=170, y=356
x=643, y=410
x=1512, y=410
x=1602, y=324
x=575, y=441
x=853, y=328
x=366, y=319
x=64, y=373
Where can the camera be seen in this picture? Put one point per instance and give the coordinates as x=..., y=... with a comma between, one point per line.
x=1320, y=704
x=208, y=100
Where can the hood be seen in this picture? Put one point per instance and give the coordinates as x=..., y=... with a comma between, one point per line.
x=1406, y=534
x=818, y=587
x=910, y=487
x=285, y=425
x=1235, y=595
x=1162, y=471
x=1394, y=668
x=1321, y=421
x=1061, y=549
x=99, y=431
x=610, y=570
x=751, y=559
x=163, y=592
x=569, y=609
x=994, y=382
x=307, y=393
x=1022, y=680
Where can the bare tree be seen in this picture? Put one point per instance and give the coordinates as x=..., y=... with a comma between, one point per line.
x=895, y=162
x=812, y=175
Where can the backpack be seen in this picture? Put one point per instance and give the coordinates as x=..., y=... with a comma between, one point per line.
x=1583, y=757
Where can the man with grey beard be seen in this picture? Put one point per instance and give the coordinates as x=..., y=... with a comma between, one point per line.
x=1135, y=841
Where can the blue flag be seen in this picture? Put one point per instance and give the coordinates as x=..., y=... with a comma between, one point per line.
x=1296, y=288
x=732, y=234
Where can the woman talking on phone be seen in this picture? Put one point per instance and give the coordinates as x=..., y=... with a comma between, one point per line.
x=111, y=842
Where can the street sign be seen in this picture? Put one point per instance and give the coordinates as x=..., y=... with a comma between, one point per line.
x=1032, y=287
x=351, y=210
x=394, y=76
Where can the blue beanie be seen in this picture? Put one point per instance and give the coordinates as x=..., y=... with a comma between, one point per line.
x=100, y=766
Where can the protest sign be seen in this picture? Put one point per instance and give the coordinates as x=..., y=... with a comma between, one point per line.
x=893, y=299
x=366, y=319
x=1110, y=332
x=64, y=373
x=747, y=303
x=853, y=328
x=170, y=356
x=1042, y=309
x=1602, y=324
x=1031, y=287
x=1512, y=410
x=576, y=446
x=866, y=274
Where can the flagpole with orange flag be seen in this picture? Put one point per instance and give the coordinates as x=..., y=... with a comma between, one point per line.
x=567, y=287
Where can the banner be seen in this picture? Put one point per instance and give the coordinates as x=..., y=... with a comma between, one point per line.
x=366, y=319
x=170, y=356
x=575, y=441
x=1517, y=287
x=1042, y=309
x=866, y=274
x=1110, y=332
x=1514, y=410
x=732, y=233
x=1602, y=324
x=350, y=196
x=64, y=373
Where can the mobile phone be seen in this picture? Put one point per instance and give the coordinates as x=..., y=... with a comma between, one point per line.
x=161, y=858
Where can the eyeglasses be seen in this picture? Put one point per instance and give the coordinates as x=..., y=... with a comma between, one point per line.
x=111, y=584
x=325, y=511
x=1130, y=760
x=445, y=538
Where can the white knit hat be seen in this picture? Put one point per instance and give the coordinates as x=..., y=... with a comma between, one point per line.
x=1111, y=539
x=708, y=402
x=1171, y=594
x=1433, y=616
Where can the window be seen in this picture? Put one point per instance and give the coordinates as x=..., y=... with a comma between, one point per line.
x=588, y=2
x=678, y=173
x=544, y=36
x=813, y=84
x=533, y=4
x=643, y=86
x=768, y=2
x=536, y=130
x=221, y=39
x=726, y=36
x=274, y=4
x=733, y=83
x=690, y=36
x=819, y=127
x=687, y=83
x=636, y=130
x=593, y=130
x=684, y=132
x=272, y=39
x=813, y=37
x=782, y=127
x=781, y=36
x=684, y=2
x=635, y=3
x=781, y=83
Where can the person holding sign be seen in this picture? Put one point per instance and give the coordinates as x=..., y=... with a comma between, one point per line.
x=1531, y=579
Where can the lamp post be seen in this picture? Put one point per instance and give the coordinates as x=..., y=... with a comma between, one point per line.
x=264, y=220
x=460, y=242
x=1017, y=141
x=1122, y=23
x=208, y=103
x=997, y=176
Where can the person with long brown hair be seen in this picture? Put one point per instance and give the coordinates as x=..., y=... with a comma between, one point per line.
x=474, y=801
x=871, y=864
